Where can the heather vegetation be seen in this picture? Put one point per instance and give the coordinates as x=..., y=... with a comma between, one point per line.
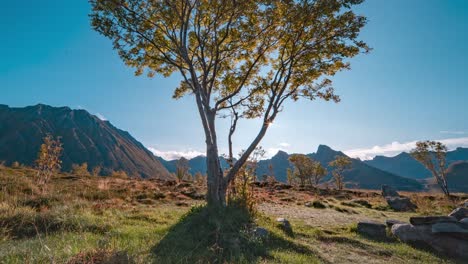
x=90, y=219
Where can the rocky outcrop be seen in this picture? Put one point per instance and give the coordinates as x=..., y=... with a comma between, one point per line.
x=445, y=234
x=395, y=201
x=423, y=236
x=400, y=204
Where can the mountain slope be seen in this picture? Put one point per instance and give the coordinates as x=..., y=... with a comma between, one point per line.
x=85, y=138
x=406, y=166
x=402, y=164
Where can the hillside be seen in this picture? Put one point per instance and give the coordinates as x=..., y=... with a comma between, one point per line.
x=85, y=138
x=113, y=220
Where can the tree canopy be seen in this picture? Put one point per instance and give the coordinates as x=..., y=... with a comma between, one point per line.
x=238, y=58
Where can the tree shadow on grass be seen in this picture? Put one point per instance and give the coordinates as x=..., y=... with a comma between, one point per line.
x=224, y=235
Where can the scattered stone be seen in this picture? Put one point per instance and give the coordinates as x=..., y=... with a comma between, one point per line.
x=261, y=232
x=388, y=191
x=372, y=229
x=183, y=185
x=282, y=186
x=466, y=203
x=400, y=204
x=182, y=204
x=391, y=222
x=361, y=202
x=429, y=220
x=283, y=222
x=459, y=213
x=422, y=236
x=453, y=228
x=316, y=204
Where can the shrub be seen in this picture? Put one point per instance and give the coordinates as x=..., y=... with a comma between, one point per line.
x=80, y=170
x=119, y=174
x=48, y=161
x=15, y=165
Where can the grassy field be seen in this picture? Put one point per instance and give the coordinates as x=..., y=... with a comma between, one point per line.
x=106, y=220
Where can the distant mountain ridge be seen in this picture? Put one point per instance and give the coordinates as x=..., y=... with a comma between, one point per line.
x=405, y=165
x=360, y=176
x=85, y=137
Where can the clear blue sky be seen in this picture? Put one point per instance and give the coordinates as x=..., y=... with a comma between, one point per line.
x=412, y=86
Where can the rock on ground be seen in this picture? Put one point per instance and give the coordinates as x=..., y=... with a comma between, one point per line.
x=391, y=222
x=422, y=235
x=372, y=229
x=459, y=213
x=429, y=220
x=388, y=191
x=400, y=204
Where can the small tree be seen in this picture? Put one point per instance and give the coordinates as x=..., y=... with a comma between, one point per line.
x=432, y=155
x=303, y=167
x=290, y=176
x=48, y=161
x=241, y=188
x=318, y=173
x=340, y=164
x=182, y=169
x=199, y=178
x=80, y=170
x=96, y=171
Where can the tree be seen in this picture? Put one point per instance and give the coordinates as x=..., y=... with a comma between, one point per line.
x=48, y=161
x=432, y=155
x=340, y=164
x=318, y=173
x=182, y=169
x=303, y=167
x=290, y=176
x=240, y=59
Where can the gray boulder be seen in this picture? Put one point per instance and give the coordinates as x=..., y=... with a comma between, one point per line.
x=422, y=236
x=372, y=230
x=459, y=213
x=388, y=191
x=391, y=222
x=284, y=224
x=261, y=232
x=429, y=220
x=400, y=204
x=450, y=228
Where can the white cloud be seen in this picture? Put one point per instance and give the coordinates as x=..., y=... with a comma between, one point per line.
x=396, y=148
x=100, y=116
x=270, y=152
x=172, y=155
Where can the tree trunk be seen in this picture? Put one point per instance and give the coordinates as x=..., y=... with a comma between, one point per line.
x=216, y=193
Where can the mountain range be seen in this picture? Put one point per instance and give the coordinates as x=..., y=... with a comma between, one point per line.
x=85, y=138
x=405, y=165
